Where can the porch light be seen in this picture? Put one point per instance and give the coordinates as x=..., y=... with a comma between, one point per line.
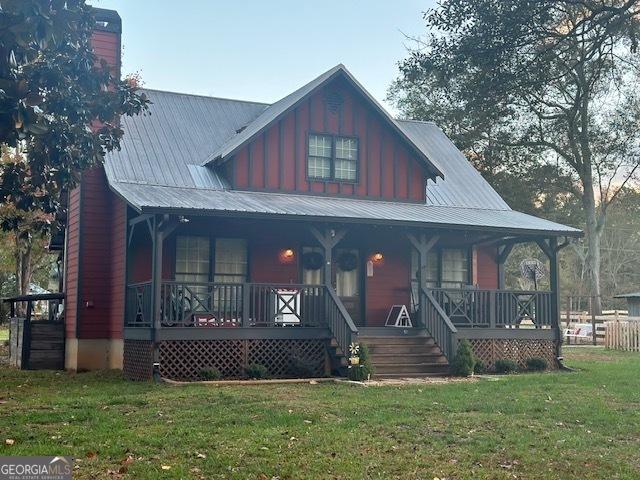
x=377, y=257
x=286, y=255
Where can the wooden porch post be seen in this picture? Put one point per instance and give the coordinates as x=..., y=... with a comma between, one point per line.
x=159, y=231
x=503, y=254
x=422, y=246
x=328, y=239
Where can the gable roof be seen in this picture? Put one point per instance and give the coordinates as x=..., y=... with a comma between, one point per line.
x=276, y=111
x=161, y=167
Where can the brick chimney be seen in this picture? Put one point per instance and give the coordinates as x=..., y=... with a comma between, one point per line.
x=107, y=38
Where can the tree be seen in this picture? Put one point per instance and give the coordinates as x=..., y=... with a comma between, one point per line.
x=546, y=84
x=59, y=110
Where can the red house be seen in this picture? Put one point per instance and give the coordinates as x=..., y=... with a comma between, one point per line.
x=228, y=233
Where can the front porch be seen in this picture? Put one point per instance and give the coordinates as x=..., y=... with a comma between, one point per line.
x=271, y=302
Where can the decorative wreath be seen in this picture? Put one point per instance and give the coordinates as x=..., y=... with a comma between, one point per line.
x=348, y=262
x=312, y=260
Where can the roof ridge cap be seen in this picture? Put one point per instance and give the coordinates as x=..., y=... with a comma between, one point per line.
x=212, y=97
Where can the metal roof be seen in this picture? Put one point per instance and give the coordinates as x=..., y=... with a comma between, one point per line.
x=150, y=198
x=284, y=105
x=160, y=166
x=167, y=146
x=462, y=186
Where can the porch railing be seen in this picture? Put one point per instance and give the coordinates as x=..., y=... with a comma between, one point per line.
x=436, y=321
x=187, y=304
x=474, y=308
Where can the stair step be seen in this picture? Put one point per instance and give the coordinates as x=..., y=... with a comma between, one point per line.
x=404, y=350
x=407, y=359
x=397, y=376
x=423, y=368
x=397, y=340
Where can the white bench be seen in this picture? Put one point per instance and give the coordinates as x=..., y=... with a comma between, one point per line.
x=579, y=330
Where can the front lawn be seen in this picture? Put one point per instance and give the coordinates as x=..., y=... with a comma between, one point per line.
x=559, y=425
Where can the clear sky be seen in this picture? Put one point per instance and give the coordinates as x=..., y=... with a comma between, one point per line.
x=263, y=50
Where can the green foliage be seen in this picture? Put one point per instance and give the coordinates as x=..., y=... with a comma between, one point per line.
x=244, y=427
x=256, y=371
x=48, y=49
x=463, y=363
x=536, y=364
x=210, y=374
x=364, y=370
x=302, y=368
x=505, y=366
x=543, y=99
x=480, y=368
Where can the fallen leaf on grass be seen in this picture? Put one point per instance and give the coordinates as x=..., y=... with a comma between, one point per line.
x=91, y=454
x=200, y=455
x=166, y=467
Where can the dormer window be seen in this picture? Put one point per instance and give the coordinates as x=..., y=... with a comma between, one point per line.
x=332, y=158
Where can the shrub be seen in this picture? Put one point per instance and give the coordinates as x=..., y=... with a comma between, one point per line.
x=463, y=362
x=364, y=370
x=506, y=366
x=480, y=368
x=210, y=374
x=256, y=371
x=536, y=364
x=302, y=368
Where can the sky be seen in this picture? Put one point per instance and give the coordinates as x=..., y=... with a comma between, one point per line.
x=263, y=50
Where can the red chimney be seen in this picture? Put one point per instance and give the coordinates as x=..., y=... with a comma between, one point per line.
x=106, y=39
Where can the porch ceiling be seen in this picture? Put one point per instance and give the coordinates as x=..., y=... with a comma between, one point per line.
x=163, y=199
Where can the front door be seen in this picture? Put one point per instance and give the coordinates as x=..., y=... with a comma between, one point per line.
x=348, y=282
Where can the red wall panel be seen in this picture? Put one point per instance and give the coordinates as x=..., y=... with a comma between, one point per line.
x=386, y=168
x=487, y=268
x=72, y=258
x=390, y=284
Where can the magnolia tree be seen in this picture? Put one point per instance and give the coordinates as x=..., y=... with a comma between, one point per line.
x=59, y=110
x=541, y=94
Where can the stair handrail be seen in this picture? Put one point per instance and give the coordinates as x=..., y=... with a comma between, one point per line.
x=445, y=333
x=342, y=327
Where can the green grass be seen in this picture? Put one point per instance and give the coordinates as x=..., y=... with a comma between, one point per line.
x=584, y=424
x=4, y=334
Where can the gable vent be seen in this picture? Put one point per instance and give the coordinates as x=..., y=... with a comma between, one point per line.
x=333, y=100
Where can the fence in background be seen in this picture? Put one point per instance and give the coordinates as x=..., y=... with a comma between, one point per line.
x=623, y=334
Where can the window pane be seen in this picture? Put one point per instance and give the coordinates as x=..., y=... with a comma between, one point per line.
x=319, y=167
x=454, y=268
x=192, y=258
x=346, y=148
x=231, y=260
x=319, y=146
x=345, y=170
x=312, y=277
x=347, y=281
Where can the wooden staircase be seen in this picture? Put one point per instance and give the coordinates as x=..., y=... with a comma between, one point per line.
x=405, y=356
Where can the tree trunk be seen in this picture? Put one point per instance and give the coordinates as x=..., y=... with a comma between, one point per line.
x=593, y=233
x=24, y=269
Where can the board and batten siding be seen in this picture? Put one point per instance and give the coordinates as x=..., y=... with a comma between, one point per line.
x=72, y=259
x=486, y=268
x=276, y=160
